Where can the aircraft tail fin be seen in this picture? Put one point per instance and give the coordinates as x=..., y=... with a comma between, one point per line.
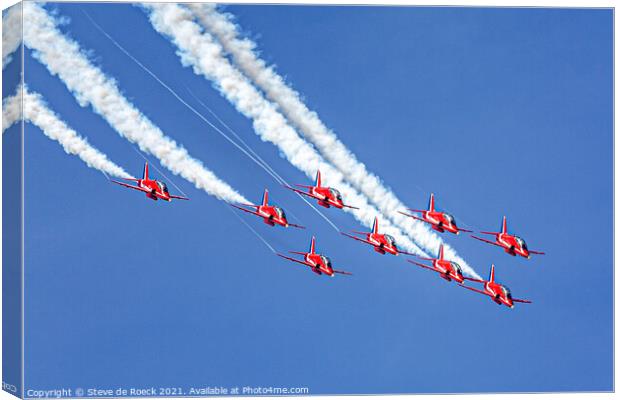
x=145, y=172
x=440, y=252
x=431, y=203
x=317, y=181
x=504, y=228
x=492, y=273
x=312, y=245
x=375, y=226
x=265, y=198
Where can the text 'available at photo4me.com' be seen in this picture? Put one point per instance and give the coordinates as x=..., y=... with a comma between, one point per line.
x=166, y=391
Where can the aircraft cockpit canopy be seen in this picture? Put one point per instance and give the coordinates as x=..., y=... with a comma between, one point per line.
x=457, y=267
x=162, y=187
x=335, y=193
x=390, y=239
x=280, y=212
x=449, y=218
x=521, y=242
x=506, y=291
x=326, y=261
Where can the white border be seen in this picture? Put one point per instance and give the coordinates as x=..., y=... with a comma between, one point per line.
x=477, y=3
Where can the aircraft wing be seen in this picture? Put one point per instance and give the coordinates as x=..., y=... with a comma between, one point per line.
x=422, y=265
x=179, y=197
x=476, y=290
x=404, y=252
x=294, y=260
x=131, y=186
x=356, y=238
x=521, y=301
x=420, y=219
x=414, y=216
x=336, y=271
x=246, y=210
x=486, y=241
x=296, y=226
x=302, y=192
x=355, y=208
x=536, y=252
x=464, y=230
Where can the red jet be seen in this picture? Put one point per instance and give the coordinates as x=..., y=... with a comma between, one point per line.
x=498, y=292
x=326, y=196
x=448, y=270
x=440, y=221
x=511, y=244
x=271, y=215
x=319, y=263
x=154, y=189
x=382, y=243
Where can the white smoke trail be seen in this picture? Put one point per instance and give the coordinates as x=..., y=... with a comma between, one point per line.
x=11, y=32
x=243, y=147
x=36, y=112
x=11, y=110
x=63, y=57
x=309, y=125
x=205, y=56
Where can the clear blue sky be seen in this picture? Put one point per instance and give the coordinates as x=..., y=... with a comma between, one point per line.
x=498, y=111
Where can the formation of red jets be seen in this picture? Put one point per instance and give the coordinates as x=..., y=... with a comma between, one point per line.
x=382, y=243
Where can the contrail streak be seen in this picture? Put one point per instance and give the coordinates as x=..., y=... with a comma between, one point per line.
x=205, y=56
x=37, y=112
x=90, y=86
x=310, y=126
x=11, y=33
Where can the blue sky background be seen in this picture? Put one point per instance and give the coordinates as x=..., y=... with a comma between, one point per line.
x=498, y=111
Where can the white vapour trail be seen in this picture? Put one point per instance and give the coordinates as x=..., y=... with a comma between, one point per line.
x=11, y=110
x=206, y=58
x=63, y=57
x=37, y=112
x=243, y=147
x=11, y=33
x=244, y=54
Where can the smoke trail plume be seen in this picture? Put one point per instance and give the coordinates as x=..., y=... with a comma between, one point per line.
x=206, y=58
x=37, y=112
x=310, y=126
x=11, y=32
x=11, y=110
x=90, y=86
x=242, y=146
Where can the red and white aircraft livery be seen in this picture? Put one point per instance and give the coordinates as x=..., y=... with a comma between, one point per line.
x=511, y=244
x=319, y=263
x=271, y=215
x=154, y=189
x=382, y=243
x=498, y=292
x=327, y=196
x=440, y=221
x=448, y=270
